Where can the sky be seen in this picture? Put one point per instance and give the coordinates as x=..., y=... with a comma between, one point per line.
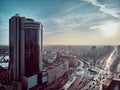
x=67, y=22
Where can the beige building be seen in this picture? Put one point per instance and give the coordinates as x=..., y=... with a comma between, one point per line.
x=72, y=60
x=118, y=68
x=57, y=71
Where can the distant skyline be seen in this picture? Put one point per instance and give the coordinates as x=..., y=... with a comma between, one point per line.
x=67, y=22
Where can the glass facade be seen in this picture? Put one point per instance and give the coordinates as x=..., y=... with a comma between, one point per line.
x=31, y=51
x=14, y=46
x=25, y=49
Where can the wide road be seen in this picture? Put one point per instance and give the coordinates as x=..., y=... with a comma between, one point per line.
x=111, y=59
x=97, y=80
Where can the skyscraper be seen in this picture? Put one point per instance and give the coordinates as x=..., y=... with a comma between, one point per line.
x=25, y=40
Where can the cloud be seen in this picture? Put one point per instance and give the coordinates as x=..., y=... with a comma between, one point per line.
x=110, y=11
x=71, y=26
x=108, y=28
x=94, y=27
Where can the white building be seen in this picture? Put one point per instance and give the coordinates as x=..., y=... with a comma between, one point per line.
x=57, y=71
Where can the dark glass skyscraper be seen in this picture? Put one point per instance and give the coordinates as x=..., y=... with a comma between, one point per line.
x=25, y=50
x=31, y=48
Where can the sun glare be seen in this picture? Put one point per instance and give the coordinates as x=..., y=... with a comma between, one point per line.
x=109, y=29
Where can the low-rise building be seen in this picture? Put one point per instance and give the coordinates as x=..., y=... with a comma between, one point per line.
x=12, y=86
x=117, y=66
x=57, y=70
x=73, y=61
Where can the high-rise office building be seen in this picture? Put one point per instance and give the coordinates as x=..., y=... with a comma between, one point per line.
x=25, y=40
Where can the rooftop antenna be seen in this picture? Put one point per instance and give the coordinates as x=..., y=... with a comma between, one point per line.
x=17, y=14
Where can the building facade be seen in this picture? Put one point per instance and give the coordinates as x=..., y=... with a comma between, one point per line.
x=57, y=71
x=25, y=40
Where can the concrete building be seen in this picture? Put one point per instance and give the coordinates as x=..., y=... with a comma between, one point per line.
x=12, y=86
x=44, y=77
x=57, y=71
x=118, y=51
x=117, y=69
x=72, y=60
x=25, y=40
